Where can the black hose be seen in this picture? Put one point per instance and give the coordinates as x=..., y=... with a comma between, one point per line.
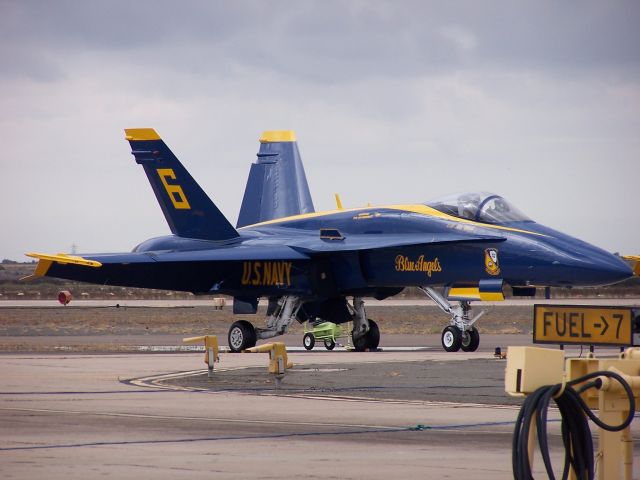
x=576, y=435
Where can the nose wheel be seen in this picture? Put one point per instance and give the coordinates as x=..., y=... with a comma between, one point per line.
x=451, y=338
x=470, y=340
x=460, y=334
x=454, y=339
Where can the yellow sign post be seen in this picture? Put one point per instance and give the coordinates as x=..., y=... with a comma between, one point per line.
x=586, y=325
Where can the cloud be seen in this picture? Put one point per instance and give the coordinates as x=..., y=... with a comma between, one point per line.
x=462, y=39
x=400, y=101
x=325, y=41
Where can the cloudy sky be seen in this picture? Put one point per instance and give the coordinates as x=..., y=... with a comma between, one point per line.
x=392, y=101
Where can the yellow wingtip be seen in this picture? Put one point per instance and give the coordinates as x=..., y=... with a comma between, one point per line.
x=133, y=134
x=338, y=201
x=271, y=136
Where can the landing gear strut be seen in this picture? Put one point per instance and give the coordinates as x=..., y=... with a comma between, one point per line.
x=243, y=334
x=460, y=334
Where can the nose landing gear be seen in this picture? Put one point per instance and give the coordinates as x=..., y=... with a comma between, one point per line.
x=470, y=340
x=460, y=333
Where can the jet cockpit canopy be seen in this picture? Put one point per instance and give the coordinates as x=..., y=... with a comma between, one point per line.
x=480, y=207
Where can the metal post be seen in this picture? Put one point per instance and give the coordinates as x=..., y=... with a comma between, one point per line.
x=211, y=350
x=210, y=358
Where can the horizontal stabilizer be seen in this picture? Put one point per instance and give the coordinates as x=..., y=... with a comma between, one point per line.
x=195, y=271
x=64, y=258
x=123, y=260
x=46, y=260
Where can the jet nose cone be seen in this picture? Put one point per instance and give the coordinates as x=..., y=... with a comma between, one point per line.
x=617, y=270
x=603, y=269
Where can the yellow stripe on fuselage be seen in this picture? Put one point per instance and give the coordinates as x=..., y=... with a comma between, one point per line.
x=474, y=293
x=464, y=292
x=411, y=208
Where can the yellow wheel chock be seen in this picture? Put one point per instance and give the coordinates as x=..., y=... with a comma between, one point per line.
x=278, y=360
x=211, y=350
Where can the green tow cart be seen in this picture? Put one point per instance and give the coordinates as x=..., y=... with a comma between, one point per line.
x=328, y=332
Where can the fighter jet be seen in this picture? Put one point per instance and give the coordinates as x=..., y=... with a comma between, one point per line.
x=320, y=266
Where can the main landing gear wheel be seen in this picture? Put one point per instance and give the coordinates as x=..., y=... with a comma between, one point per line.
x=329, y=344
x=242, y=335
x=309, y=341
x=451, y=339
x=470, y=340
x=370, y=340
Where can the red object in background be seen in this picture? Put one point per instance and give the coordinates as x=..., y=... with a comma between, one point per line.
x=64, y=297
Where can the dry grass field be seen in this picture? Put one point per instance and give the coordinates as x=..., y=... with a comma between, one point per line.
x=66, y=321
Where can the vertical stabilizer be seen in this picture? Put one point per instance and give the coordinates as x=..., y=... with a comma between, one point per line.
x=277, y=185
x=187, y=208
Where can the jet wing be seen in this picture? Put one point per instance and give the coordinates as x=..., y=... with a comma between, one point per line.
x=338, y=243
x=191, y=271
x=239, y=253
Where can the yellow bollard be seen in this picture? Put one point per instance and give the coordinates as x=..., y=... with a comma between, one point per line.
x=278, y=360
x=211, y=351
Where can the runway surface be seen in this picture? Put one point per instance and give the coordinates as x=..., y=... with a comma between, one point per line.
x=159, y=343
x=394, y=414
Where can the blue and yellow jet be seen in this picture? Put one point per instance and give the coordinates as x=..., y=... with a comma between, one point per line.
x=309, y=264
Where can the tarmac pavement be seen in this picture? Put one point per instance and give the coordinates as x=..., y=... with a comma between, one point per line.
x=157, y=416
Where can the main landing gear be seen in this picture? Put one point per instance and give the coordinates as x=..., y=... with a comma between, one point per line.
x=460, y=334
x=365, y=334
x=243, y=335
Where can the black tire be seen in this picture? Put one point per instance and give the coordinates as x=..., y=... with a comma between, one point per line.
x=359, y=344
x=451, y=339
x=242, y=335
x=470, y=340
x=373, y=335
x=329, y=344
x=370, y=340
x=309, y=341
